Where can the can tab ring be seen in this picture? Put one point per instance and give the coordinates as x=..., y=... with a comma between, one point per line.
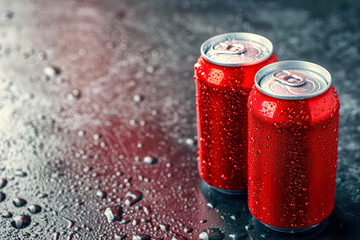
x=229, y=48
x=288, y=78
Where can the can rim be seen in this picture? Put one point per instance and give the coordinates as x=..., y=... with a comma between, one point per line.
x=290, y=64
x=241, y=35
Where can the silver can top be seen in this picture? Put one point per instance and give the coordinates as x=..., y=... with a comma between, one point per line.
x=292, y=80
x=236, y=49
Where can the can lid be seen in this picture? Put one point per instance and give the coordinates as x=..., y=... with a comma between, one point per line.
x=293, y=80
x=236, y=49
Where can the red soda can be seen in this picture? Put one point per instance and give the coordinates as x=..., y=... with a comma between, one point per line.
x=224, y=76
x=293, y=142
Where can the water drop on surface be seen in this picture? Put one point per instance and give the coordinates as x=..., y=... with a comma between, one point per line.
x=21, y=221
x=41, y=55
x=8, y=15
x=6, y=214
x=137, y=98
x=141, y=237
x=120, y=237
x=210, y=205
x=150, y=69
x=20, y=173
x=232, y=236
x=19, y=202
x=51, y=71
x=132, y=197
x=3, y=182
x=188, y=230
x=241, y=236
x=2, y=196
x=70, y=236
x=96, y=137
x=249, y=227
x=179, y=237
x=56, y=236
x=203, y=236
x=164, y=227
x=34, y=209
x=103, y=144
x=74, y=95
x=125, y=221
x=87, y=169
x=190, y=141
x=149, y=160
x=211, y=234
x=101, y=194
x=135, y=222
x=113, y=214
x=42, y=195
x=265, y=235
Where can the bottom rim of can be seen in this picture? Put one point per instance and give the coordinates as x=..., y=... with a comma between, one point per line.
x=291, y=230
x=229, y=192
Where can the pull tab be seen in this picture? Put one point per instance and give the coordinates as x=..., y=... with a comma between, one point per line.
x=288, y=78
x=229, y=48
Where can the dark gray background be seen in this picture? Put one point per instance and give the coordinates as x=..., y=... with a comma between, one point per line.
x=109, y=52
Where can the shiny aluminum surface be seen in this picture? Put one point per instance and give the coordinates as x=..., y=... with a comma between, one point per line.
x=236, y=49
x=293, y=80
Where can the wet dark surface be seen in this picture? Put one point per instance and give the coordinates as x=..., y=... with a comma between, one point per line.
x=98, y=124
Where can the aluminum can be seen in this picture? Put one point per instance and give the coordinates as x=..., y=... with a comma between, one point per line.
x=224, y=76
x=293, y=142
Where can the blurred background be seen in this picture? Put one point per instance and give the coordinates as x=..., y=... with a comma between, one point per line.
x=98, y=123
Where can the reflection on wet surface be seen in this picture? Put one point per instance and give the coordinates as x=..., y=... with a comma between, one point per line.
x=98, y=125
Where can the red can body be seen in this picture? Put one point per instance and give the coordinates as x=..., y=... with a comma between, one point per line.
x=292, y=159
x=222, y=120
